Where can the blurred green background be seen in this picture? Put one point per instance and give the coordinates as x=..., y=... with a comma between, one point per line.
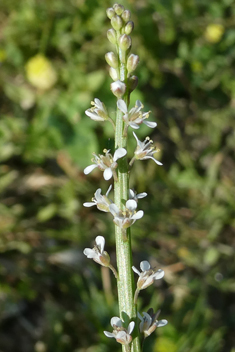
x=52, y=298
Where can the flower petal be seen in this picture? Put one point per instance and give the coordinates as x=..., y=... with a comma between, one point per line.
x=136, y=270
x=122, y=106
x=144, y=265
x=109, y=334
x=161, y=323
x=94, y=116
x=134, y=125
x=116, y=321
x=131, y=327
x=150, y=124
x=100, y=241
x=89, y=168
x=142, y=195
x=119, y=153
x=151, y=157
x=90, y=253
x=89, y=204
x=107, y=174
x=138, y=215
x=159, y=274
x=131, y=204
x=114, y=209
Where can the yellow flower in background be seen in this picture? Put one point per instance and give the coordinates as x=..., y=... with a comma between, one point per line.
x=40, y=72
x=214, y=32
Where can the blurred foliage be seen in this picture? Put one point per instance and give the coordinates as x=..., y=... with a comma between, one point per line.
x=52, y=66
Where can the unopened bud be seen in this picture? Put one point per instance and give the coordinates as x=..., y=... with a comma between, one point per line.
x=111, y=59
x=132, y=62
x=129, y=27
x=116, y=22
x=111, y=35
x=126, y=15
x=114, y=74
x=110, y=12
x=132, y=83
x=125, y=42
x=118, y=88
x=118, y=9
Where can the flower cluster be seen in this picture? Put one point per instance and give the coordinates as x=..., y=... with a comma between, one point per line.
x=121, y=334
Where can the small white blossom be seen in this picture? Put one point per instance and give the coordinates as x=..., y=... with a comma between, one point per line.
x=126, y=218
x=98, y=112
x=97, y=253
x=147, y=276
x=135, y=117
x=121, y=334
x=118, y=88
x=149, y=322
x=135, y=196
x=102, y=202
x=145, y=150
x=106, y=163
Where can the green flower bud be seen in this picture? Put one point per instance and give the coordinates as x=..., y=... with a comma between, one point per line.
x=110, y=12
x=111, y=59
x=114, y=74
x=132, y=83
x=116, y=22
x=129, y=27
x=118, y=9
x=132, y=62
x=118, y=88
x=126, y=15
x=111, y=35
x=124, y=42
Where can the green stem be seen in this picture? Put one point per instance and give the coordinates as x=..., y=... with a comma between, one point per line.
x=123, y=245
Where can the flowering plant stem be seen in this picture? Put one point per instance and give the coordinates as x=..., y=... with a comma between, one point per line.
x=125, y=281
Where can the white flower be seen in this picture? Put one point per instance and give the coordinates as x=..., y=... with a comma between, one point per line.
x=121, y=334
x=145, y=150
x=149, y=322
x=147, y=276
x=135, y=117
x=135, y=196
x=102, y=202
x=106, y=163
x=98, y=112
x=125, y=219
x=97, y=253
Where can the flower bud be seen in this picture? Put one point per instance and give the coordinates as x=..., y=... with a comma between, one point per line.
x=114, y=74
x=118, y=88
x=111, y=59
x=118, y=9
x=111, y=35
x=110, y=12
x=132, y=83
x=126, y=15
x=132, y=62
x=116, y=22
x=125, y=42
x=129, y=27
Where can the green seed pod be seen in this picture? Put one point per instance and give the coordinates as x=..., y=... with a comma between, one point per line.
x=116, y=22
x=132, y=62
x=110, y=12
x=132, y=83
x=129, y=27
x=111, y=59
x=118, y=9
x=111, y=35
x=125, y=42
x=126, y=15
